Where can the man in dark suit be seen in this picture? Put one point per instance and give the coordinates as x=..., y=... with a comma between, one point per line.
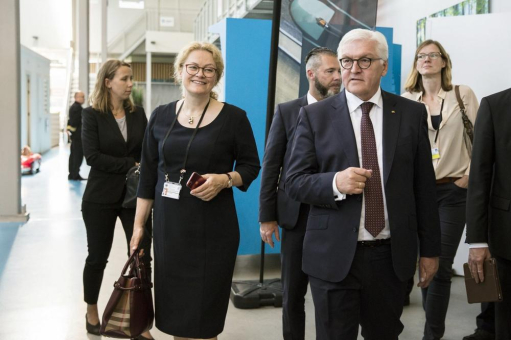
x=488, y=200
x=362, y=160
x=275, y=207
x=74, y=126
x=485, y=322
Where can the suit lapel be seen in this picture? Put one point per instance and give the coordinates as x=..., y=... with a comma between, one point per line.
x=300, y=102
x=391, y=122
x=303, y=101
x=129, y=125
x=343, y=129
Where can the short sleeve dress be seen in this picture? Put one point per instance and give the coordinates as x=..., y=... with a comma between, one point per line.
x=195, y=242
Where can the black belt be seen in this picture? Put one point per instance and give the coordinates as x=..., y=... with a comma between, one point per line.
x=374, y=243
x=447, y=180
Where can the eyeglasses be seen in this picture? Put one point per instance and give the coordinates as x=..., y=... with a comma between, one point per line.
x=363, y=63
x=432, y=56
x=207, y=71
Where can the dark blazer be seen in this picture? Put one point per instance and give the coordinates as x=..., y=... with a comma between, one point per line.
x=108, y=155
x=489, y=188
x=274, y=203
x=75, y=117
x=324, y=143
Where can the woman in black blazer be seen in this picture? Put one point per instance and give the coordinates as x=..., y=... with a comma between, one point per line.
x=112, y=134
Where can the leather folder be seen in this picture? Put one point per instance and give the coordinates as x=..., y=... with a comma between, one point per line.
x=487, y=291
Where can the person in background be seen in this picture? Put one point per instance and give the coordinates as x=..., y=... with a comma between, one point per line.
x=196, y=234
x=74, y=127
x=485, y=322
x=488, y=201
x=430, y=83
x=113, y=131
x=275, y=207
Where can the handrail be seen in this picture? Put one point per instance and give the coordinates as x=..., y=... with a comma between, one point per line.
x=122, y=35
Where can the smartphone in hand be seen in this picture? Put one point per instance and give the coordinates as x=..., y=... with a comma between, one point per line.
x=195, y=181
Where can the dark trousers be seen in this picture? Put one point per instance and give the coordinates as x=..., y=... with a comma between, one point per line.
x=75, y=156
x=451, y=201
x=371, y=295
x=503, y=308
x=486, y=319
x=294, y=280
x=100, y=224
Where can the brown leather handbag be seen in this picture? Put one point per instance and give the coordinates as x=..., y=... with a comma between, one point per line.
x=129, y=311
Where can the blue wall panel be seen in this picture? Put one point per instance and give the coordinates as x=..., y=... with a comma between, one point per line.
x=245, y=45
x=392, y=81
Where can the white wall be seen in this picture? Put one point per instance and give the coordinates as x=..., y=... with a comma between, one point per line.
x=402, y=15
x=37, y=68
x=49, y=20
x=500, y=6
x=471, y=53
x=166, y=42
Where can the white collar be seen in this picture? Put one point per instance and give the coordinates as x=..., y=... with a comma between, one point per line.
x=310, y=98
x=354, y=102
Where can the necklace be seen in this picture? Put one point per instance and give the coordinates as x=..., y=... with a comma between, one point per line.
x=191, y=118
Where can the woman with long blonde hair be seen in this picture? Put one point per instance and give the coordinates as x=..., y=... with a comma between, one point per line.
x=112, y=134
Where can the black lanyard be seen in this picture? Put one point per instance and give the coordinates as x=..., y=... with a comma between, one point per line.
x=183, y=169
x=440, y=122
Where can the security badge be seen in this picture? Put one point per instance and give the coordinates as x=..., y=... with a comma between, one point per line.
x=171, y=190
x=435, y=154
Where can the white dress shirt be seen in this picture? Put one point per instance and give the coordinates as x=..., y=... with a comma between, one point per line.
x=376, y=116
x=310, y=98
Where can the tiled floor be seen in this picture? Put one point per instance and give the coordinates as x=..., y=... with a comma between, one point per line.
x=41, y=267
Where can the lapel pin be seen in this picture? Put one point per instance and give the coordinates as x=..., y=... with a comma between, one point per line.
x=393, y=111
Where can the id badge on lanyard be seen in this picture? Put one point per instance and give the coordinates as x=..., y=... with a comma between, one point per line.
x=435, y=153
x=173, y=189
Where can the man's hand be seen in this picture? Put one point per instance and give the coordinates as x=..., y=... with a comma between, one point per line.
x=476, y=258
x=352, y=180
x=427, y=270
x=267, y=229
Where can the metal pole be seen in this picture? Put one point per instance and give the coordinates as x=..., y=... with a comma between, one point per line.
x=148, y=83
x=272, y=79
x=83, y=46
x=104, y=41
x=274, y=53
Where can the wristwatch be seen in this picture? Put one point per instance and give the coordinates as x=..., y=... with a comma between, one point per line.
x=229, y=185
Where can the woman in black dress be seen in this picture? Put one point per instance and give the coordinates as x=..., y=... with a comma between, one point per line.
x=112, y=134
x=196, y=233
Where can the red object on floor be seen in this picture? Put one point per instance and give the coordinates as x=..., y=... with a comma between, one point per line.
x=31, y=164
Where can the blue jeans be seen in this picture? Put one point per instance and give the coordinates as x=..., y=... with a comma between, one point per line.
x=451, y=201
